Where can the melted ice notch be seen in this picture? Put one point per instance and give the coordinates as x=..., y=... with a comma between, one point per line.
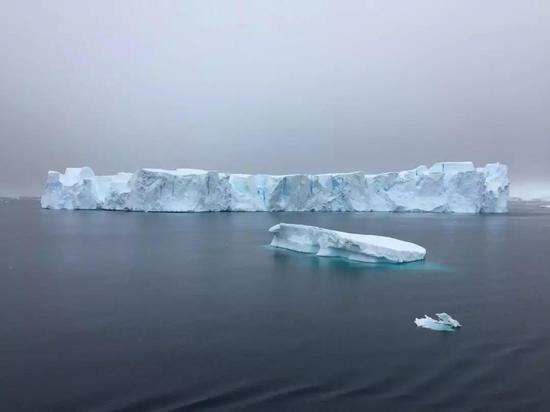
x=444, y=322
x=352, y=246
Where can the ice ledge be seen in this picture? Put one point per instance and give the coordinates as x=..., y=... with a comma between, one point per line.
x=452, y=187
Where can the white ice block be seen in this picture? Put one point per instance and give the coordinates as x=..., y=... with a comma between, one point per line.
x=352, y=246
x=443, y=323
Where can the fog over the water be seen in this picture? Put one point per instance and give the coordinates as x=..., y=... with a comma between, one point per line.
x=272, y=86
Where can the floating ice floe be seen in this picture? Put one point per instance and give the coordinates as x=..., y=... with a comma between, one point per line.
x=352, y=246
x=444, y=322
x=447, y=187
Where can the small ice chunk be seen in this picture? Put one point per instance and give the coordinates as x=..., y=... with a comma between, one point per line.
x=444, y=322
x=352, y=246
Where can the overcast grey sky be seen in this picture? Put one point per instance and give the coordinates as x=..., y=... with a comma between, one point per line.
x=272, y=86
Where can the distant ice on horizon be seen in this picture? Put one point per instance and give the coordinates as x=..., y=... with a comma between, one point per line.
x=529, y=191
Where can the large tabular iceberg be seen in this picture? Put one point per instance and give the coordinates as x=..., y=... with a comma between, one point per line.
x=445, y=187
x=352, y=246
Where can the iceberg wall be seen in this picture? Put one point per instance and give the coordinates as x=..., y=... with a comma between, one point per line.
x=456, y=187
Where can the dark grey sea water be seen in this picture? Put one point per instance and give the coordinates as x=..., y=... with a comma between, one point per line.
x=114, y=311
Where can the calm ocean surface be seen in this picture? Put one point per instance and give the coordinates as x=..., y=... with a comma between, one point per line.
x=115, y=311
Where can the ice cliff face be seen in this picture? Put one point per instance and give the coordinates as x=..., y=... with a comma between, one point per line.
x=445, y=187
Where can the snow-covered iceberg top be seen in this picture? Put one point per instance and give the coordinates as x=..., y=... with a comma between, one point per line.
x=445, y=187
x=443, y=323
x=352, y=246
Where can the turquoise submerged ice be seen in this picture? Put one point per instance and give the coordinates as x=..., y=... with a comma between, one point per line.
x=457, y=187
x=443, y=323
x=352, y=246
